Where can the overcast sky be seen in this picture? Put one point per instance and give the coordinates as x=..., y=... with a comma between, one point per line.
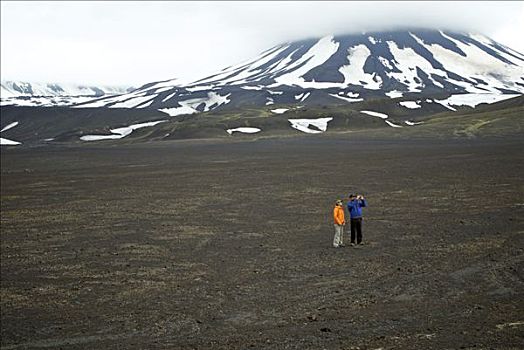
x=132, y=43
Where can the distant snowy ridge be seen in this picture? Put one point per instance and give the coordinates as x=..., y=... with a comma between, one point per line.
x=19, y=93
x=32, y=101
x=22, y=88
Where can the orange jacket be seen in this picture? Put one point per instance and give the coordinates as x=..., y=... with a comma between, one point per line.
x=338, y=215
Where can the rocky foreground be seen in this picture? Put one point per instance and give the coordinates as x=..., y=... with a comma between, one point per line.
x=227, y=245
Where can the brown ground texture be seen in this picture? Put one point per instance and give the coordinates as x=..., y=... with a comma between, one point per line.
x=227, y=245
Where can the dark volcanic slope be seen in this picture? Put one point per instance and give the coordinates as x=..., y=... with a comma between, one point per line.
x=227, y=246
x=36, y=126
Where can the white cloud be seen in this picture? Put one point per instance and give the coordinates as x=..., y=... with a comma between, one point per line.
x=139, y=42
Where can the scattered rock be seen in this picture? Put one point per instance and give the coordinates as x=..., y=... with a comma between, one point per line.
x=312, y=318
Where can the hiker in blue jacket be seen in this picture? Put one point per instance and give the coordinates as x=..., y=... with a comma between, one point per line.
x=355, y=205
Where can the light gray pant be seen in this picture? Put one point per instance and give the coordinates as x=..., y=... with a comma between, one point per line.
x=339, y=235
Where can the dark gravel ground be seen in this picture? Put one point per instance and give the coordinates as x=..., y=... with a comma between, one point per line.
x=227, y=245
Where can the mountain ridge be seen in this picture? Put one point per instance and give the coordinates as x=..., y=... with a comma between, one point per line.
x=17, y=92
x=16, y=88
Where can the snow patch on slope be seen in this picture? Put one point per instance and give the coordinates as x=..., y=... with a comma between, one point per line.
x=9, y=126
x=301, y=97
x=472, y=100
x=410, y=104
x=407, y=61
x=314, y=57
x=375, y=114
x=135, y=102
x=392, y=124
x=354, y=71
x=347, y=99
x=476, y=64
x=280, y=110
x=251, y=87
x=119, y=133
x=212, y=101
x=410, y=123
x=7, y=142
x=168, y=97
x=394, y=94
x=173, y=112
x=305, y=125
x=243, y=130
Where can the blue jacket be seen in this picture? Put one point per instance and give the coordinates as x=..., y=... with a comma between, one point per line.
x=355, y=208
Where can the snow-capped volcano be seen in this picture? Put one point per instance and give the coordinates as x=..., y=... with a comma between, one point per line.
x=346, y=68
x=404, y=61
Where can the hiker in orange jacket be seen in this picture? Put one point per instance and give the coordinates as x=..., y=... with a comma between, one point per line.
x=338, y=217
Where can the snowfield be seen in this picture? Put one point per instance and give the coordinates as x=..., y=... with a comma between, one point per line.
x=7, y=142
x=354, y=71
x=212, y=101
x=316, y=56
x=472, y=100
x=407, y=61
x=302, y=97
x=393, y=125
x=120, y=133
x=347, y=99
x=9, y=126
x=135, y=102
x=243, y=130
x=375, y=114
x=394, y=94
x=304, y=125
x=475, y=64
x=410, y=104
x=173, y=112
x=280, y=110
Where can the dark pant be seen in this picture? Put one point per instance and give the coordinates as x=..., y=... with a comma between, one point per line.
x=356, y=226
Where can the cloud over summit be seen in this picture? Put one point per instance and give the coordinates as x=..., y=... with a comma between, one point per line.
x=138, y=42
